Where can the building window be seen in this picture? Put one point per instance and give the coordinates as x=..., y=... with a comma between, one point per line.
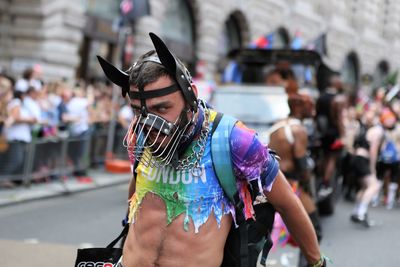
x=350, y=72
x=281, y=38
x=178, y=29
x=230, y=38
x=103, y=8
x=381, y=73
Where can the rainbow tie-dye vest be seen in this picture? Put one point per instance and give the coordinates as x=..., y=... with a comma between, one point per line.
x=182, y=192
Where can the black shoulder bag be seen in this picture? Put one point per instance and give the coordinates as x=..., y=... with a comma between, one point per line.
x=107, y=256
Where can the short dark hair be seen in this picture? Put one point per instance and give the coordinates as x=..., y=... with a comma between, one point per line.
x=30, y=90
x=143, y=73
x=27, y=74
x=18, y=94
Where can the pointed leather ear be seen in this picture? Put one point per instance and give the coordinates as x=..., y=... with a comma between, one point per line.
x=170, y=63
x=165, y=56
x=115, y=75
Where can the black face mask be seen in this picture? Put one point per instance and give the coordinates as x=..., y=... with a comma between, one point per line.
x=155, y=140
x=158, y=127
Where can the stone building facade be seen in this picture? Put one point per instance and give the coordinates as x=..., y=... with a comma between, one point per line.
x=361, y=36
x=42, y=32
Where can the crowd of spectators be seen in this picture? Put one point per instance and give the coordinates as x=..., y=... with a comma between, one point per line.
x=32, y=110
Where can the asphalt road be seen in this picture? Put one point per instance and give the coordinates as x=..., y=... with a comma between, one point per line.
x=351, y=245
x=48, y=232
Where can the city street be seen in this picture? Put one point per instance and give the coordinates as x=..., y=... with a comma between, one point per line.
x=90, y=89
x=48, y=232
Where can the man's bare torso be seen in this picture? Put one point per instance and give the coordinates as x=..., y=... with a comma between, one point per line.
x=152, y=242
x=279, y=143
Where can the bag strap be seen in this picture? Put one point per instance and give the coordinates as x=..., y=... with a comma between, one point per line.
x=244, y=245
x=222, y=163
x=123, y=233
x=221, y=154
x=287, y=125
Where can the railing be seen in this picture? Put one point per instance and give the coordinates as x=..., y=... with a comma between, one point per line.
x=58, y=157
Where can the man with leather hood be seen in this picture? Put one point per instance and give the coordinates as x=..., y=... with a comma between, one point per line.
x=179, y=214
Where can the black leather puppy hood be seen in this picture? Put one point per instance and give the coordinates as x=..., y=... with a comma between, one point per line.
x=180, y=75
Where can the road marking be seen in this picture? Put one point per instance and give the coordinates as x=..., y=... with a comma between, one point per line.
x=287, y=259
x=271, y=262
x=31, y=241
x=86, y=245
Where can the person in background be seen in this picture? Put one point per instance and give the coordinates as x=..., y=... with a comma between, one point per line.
x=282, y=76
x=289, y=138
x=6, y=95
x=100, y=110
x=125, y=116
x=384, y=140
x=75, y=114
x=330, y=112
x=48, y=105
x=30, y=78
x=31, y=103
x=18, y=134
x=364, y=147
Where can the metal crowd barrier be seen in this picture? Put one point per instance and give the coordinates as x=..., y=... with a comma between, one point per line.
x=55, y=158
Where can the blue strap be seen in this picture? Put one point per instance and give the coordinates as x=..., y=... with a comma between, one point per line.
x=222, y=162
x=221, y=154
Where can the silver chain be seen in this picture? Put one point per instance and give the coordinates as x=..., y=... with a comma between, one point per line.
x=193, y=160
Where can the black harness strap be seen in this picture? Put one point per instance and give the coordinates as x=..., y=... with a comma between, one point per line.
x=159, y=124
x=244, y=244
x=216, y=121
x=142, y=95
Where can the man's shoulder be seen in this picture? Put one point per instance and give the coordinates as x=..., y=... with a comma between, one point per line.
x=240, y=129
x=299, y=129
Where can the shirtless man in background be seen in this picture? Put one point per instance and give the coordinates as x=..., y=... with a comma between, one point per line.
x=289, y=138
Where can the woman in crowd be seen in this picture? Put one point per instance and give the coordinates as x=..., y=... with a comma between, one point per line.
x=17, y=133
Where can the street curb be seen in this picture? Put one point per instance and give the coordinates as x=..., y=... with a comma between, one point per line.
x=57, y=189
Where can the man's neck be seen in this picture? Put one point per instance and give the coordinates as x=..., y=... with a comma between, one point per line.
x=192, y=132
x=295, y=116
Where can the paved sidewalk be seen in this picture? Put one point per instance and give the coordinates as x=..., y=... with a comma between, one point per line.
x=100, y=178
x=21, y=254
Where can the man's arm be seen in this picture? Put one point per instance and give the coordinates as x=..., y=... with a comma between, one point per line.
x=300, y=149
x=295, y=217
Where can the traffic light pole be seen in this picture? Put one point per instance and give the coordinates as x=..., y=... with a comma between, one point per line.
x=116, y=91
